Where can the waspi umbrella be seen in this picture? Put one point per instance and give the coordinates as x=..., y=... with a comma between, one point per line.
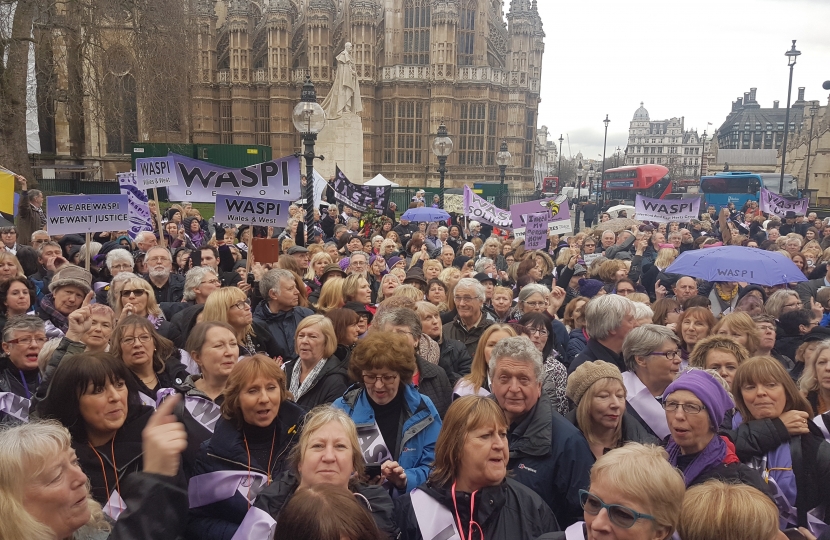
x=737, y=263
x=425, y=214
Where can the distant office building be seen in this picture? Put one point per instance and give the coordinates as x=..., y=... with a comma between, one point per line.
x=751, y=127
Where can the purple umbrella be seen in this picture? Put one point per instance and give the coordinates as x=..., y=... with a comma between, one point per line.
x=737, y=263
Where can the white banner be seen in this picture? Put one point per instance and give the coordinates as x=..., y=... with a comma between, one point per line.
x=156, y=172
x=661, y=211
x=78, y=214
x=251, y=211
x=479, y=209
x=554, y=227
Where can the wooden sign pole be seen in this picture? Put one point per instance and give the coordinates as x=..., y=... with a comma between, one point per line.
x=162, y=238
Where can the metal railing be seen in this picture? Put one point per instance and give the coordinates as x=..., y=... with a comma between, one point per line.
x=54, y=186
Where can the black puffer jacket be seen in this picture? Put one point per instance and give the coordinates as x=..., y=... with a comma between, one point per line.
x=434, y=384
x=331, y=383
x=273, y=498
x=632, y=430
x=509, y=511
x=12, y=380
x=455, y=359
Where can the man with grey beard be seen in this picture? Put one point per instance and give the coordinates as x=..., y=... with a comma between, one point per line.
x=168, y=287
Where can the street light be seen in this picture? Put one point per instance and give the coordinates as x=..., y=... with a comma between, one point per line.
x=578, y=194
x=813, y=112
x=503, y=159
x=442, y=147
x=792, y=55
x=702, y=153
x=309, y=119
x=604, y=142
x=560, y=158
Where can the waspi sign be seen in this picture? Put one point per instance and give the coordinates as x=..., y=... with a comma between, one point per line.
x=662, y=211
x=251, y=211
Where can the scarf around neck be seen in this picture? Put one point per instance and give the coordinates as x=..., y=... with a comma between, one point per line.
x=719, y=450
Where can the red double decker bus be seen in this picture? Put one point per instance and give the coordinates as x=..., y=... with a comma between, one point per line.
x=550, y=184
x=623, y=183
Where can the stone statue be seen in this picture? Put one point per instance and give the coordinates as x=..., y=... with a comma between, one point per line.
x=345, y=92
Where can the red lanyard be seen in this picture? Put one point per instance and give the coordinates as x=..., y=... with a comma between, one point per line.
x=472, y=520
x=114, y=470
x=270, y=455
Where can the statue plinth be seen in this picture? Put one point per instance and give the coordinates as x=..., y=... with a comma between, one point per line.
x=341, y=142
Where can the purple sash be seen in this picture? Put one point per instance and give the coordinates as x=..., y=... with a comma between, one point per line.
x=435, y=521
x=464, y=388
x=115, y=506
x=163, y=394
x=15, y=406
x=575, y=531
x=203, y=410
x=646, y=405
x=372, y=444
x=819, y=421
x=257, y=524
x=147, y=400
x=218, y=486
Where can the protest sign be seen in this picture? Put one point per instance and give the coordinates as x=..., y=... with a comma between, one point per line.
x=251, y=211
x=73, y=214
x=358, y=197
x=536, y=231
x=772, y=203
x=139, y=210
x=556, y=208
x=591, y=257
x=200, y=181
x=660, y=211
x=156, y=172
x=554, y=227
x=481, y=210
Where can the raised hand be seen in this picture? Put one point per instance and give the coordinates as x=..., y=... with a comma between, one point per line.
x=163, y=440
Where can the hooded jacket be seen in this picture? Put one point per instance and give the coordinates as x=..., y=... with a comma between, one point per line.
x=434, y=384
x=273, y=498
x=282, y=325
x=420, y=427
x=225, y=451
x=331, y=383
x=550, y=456
x=509, y=511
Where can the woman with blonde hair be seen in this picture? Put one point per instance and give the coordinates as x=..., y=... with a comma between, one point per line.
x=719, y=511
x=136, y=297
x=611, y=271
x=815, y=379
x=719, y=353
x=319, y=262
x=450, y=275
x=740, y=327
x=230, y=305
x=317, y=376
x=357, y=289
x=478, y=381
x=388, y=284
x=331, y=295
x=9, y=266
x=409, y=291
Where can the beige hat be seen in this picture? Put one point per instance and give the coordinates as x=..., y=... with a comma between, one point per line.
x=586, y=375
x=73, y=276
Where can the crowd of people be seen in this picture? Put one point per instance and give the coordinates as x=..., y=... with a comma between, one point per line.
x=391, y=379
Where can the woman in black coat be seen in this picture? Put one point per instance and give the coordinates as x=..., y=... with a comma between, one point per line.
x=231, y=305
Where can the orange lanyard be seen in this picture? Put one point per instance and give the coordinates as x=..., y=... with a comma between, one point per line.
x=270, y=455
x=114, y=470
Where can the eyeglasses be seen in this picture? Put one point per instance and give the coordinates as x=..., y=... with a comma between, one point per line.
x=241, y=305
x=130, y=340
x=213, y=281
x=123, y=266
x=28, y=341
x=529, y=330
x=670, y=355
x=688, y=408
x=619, y=515
x=137, y=292
x=370, y=380
x=536, y=304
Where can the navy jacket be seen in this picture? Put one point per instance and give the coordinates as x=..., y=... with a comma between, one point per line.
x=282, y=325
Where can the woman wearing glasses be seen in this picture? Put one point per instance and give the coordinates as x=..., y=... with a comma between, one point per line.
x=468, y=491
x=652, y=357
x=136, y=297
x=317, y=376
x=397, y=425
x=230, y=305
x=695, y=405
x=537, y=328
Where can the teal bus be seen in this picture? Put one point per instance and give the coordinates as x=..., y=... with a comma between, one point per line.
x=738, y=187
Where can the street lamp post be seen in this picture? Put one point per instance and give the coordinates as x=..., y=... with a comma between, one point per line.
x=560, y=158
x=591, y=181
x=442, y=148
x=792, y=55
x=503, y=160
x=309, y=119
x=604, y=142
x=617, y=157
x=702, y=153
x=813, y=112
x=578, y=194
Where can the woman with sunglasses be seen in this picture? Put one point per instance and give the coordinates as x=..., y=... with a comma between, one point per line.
x=230, y=305
x=637, y=506
x=468, y=491
x=136, y=297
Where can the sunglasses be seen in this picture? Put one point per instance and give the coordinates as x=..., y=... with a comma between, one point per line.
x=137, y=292
x=619, y=515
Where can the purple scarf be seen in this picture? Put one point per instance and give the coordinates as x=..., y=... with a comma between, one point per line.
x=48, y=312
x=711, y=456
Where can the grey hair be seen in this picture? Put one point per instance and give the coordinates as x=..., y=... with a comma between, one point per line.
x=474, y=224
x=642, y=311
x=363, y=253
x=193, y=279
x=775, y=303
x=399, y=317
x=377, y=237
x=94, y=248
x=470, y=283
x=271, y=281
x=159, y=248
x=119, y=254
x=123, y=276
x=143, y=234
x=35, y=193
x=643, y=341
x=50, y=243
x=468, y=245
x=41, y=231
x=531, y=289
x=483, y=262
x=675, y=234
x=516, y=348
x=603, y=314
x=23, y=323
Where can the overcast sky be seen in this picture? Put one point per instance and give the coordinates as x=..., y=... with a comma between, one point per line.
x=687, y=59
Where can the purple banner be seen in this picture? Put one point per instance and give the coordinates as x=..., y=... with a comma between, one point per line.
x=772, y=203
x=78, y=214
x=556, y=209
x=139, y=211
x=480, y=209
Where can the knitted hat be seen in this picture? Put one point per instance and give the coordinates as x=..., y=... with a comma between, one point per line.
x=707, y=390
x=460, y=261
x=393, y=261
x=73, y=276
x=589, y=287
x=579, y=270
x=586, y=375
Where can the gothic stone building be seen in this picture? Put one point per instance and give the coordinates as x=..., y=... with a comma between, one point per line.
x=419, y=62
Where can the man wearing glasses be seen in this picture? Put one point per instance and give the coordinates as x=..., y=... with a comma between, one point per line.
x=471, y=321
x=23, y=338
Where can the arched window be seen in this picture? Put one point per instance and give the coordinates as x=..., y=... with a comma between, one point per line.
x=466, y=32
x=416, y=23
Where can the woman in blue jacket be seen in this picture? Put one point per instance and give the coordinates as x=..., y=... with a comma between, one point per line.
x=396, y=425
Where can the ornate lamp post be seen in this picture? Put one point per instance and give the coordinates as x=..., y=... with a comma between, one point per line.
x=442, y=148
x=702, y=153
x=578, y=195
x=792, y=55
x=604, y=144
x=503, y=160
x=560, y=159
x=309, y=119
x=590, y=180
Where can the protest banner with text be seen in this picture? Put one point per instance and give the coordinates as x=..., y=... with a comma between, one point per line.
x=200, y=181
x=156, y=172
x=358, y=197
x=139, y=208
x=772, y=203
x=479, y=209
x=536, y=233
x=74, y=214
x=556, y=208
x=665, y=211
x=251, y=211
